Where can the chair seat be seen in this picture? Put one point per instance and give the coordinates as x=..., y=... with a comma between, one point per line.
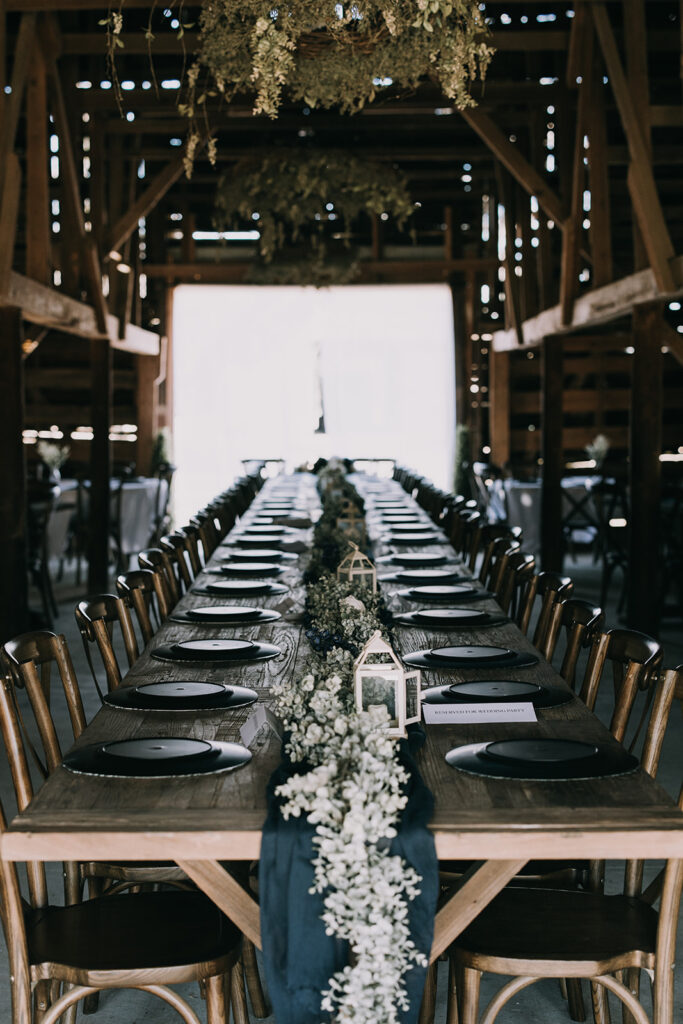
x=139, y=932
x=554, y=925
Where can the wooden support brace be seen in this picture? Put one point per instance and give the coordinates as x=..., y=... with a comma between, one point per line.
x=146, y=201
x=552, y=544
x=100, y=465
x=512, y=290
x=640, y=178
x=212, y=878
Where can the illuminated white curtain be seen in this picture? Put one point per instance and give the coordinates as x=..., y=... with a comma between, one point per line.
x=251, y=363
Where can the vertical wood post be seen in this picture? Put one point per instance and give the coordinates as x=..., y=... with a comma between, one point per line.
x=499, y=407
x=552, y=379
x=146, y=401
x=462, y=408
x=14, y=584
x=37, y=184
x=644, y=469
x=100, y=465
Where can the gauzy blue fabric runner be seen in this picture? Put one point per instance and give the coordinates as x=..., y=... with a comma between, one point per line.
x=299, y=957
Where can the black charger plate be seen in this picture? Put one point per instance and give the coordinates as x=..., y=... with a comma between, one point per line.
x=224, y=615
x=216, y=651
x=156, y=757
x=494, y=691
x=245, y=569
x=441, y=594
x=241, y=588
x=180, y=695
x=449, y=618
x=408, y=539
x=258, y=555
x=429, y=575
x=469, y=656
x=543, y=759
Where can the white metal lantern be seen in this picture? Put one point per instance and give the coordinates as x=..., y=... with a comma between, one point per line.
x=356, y=567
x=352, y=523
x=384, y=681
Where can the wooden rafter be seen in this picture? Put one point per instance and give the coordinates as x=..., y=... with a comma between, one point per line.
x=512, y=297
x=641, y=182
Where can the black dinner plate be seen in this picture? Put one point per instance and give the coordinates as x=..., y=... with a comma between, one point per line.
x=156, y=757
x=257, y=541
x=541, y=759
x=443, y=593
x=449, y=618
x=224, y=615
x=461, y=656
x=419, y=558
x=428, y=575
x=493, y=691
x=414, y=538
x=241, y=588
x=180, y=695
x=244, y=569
x=265, y=528
x=218, y=650
x=259, y=555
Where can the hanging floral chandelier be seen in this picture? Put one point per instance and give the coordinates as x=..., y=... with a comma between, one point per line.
x=327, y=54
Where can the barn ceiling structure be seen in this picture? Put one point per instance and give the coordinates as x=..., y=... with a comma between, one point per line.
x=552, y=209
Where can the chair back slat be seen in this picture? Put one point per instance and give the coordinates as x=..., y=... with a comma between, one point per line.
x=96, y=618
x=145, y=592
x=158, y=561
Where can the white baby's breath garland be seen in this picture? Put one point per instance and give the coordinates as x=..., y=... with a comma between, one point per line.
x=353, y=792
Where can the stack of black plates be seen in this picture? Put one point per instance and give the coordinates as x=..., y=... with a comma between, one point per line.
x=224, y=615
x=156, y=757
x=449, y=618
x=416, y=559
x=265, y=528
x=469, y=656
x=496, y=691
x=432, y=576
x=244, y=569
x=218, y=650
x=259, y=555
x=408, y=539
x=444, y=593
x=241, y=588
x=541, y=759
x=180, y=695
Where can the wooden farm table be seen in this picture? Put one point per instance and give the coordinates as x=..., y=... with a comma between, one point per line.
x=199, y=822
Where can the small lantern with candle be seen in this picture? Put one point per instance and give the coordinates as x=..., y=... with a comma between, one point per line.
x=356, y=567
x=379, y=678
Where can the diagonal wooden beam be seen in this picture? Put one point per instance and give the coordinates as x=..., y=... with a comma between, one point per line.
x=12, y=104
x=72, y=191
x=641, y=181
x=9, y=208
x=511, y=158
x=512, y=296
x=146, y=201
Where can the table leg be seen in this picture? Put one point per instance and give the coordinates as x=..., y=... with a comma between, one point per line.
x=479, y=885
x=219, y=885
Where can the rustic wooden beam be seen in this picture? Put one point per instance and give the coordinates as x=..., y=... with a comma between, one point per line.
x=38, y=242
x=146, y=201
x=9, y=209
x=146, y=401
x=645, y=446
x=509, y=155
x=552, y=377
x=640, y=178
x=235, y=272
x=72, y=193
x=14, y=589
x=635, y=39
x=571, y=241
x=460, y=353
x=598, y=172
x=499, y=407
x=512, y=291
x=12, y=104
x=599, y=306
x=100, y=465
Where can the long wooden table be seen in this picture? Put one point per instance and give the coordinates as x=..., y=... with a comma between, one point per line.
x=199, y=822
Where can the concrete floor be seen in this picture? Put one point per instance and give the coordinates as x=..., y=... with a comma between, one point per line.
x=541, y=1004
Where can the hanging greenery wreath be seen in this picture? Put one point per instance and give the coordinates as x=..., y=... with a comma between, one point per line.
x=303, y=204
x=325, y=54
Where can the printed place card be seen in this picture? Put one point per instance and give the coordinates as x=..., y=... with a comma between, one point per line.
x=450, y=714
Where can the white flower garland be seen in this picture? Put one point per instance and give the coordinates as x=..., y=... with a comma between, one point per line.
x=353, y=793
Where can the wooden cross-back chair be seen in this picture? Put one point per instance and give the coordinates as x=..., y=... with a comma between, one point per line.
x=551, y=588
x=177, y=547
x=147, y=940
x=192, y=538
x=513, y=581
x=469, y=524
x=24, y=655
x=208, y=536
x=96, y=618
x=493, y=568
x=160, y=562
x=462, y=511
x=581, y=620
x=483, y=540
x=552, y=933
x=145, y=592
